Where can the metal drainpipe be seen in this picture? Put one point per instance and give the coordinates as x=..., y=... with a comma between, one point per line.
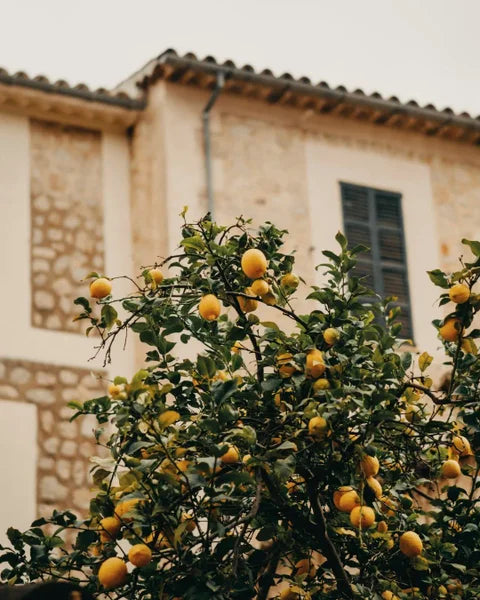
x=206, y=138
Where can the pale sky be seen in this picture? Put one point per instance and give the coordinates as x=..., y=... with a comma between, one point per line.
x=427, y=50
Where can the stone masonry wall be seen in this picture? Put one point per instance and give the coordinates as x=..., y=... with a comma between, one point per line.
x=66, y=219
x=64, y=448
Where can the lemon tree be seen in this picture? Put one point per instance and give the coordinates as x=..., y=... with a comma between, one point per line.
x=266, y=452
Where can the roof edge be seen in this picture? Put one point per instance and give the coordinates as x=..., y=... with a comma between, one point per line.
x=81, y=91
x=171, y=66
x=287, y=82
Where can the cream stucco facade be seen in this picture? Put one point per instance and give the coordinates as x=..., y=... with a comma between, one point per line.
x=134, y=167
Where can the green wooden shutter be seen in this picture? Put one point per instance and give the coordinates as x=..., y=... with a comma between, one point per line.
x=374, y=218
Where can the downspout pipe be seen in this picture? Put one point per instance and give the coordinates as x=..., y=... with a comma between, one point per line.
x=207, y=146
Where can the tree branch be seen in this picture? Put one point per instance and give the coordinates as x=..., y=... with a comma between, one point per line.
x=329, y=549
x=268, y=576
x=319, y=527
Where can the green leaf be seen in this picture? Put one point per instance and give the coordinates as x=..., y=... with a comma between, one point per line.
x=424, y=361
x=99, y=476
x=206, y=366
x=270, y=325
x=92, y=274
x=439, y=278
x=194, y=243
x=109, y=316
x=284, y=468
x=474, y=246
x=15, y=538
x=85, y=539
x=342, y=240
x=222, y=390
x=406, y=360
x=419, y=563
x=332, y=256
x=84, y=302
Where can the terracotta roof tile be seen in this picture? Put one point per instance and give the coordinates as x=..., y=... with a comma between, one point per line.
x=352, y=104
x=81, y=90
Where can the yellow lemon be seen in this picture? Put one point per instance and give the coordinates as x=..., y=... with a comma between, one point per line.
x=388, y=595
x=100, y=288
x=289, y=594
x=112, y=573
x=236, y=348
x=375, y=486
x=289, y=281
x=348, y=501
x=469, y=346
x=387, y=506
x=139, y=555
x=450, y=330
x=314, y=366
x=260, y=287
x=124, y=508
x=254, y=263
x=337, y=494
x=161, y=540
x=461, y=445
x=410, y=544
x=269, y=299
x=369, y=465
x=167, y=418
x=382, y=527
x=331, y=336
x=247, y=304
x=110, y=527
x=362, y=516
x=230, y=456
x=451, y=469
x=156, y=275
x=317, y=427
x=209, y=307
x=459, y=293
x=321, y=384
x=285, y=365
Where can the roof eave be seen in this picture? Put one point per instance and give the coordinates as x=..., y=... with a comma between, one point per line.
x=287, y=90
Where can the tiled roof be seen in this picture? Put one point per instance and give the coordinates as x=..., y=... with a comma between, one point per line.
x=320, y=97
x=264, y=85
x=81, y=91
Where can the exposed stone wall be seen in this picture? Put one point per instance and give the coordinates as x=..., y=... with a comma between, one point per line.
x=64, y=448
x=66, y=219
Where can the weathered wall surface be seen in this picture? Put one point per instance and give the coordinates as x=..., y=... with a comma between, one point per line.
x=456, y=191
x=260, y=173
x=285, y=165
x=66, y=219
x=64, y=195
x=63, y=447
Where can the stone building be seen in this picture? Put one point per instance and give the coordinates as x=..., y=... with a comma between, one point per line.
x=95, y=180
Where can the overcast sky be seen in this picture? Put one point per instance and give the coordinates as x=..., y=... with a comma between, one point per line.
x=427, y=50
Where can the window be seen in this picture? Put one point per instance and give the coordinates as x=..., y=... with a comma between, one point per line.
x=374, y=218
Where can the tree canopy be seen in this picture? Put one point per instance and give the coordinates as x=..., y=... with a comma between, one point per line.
x=303, y=455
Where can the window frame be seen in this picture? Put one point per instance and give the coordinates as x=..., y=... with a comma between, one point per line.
x=378, y=264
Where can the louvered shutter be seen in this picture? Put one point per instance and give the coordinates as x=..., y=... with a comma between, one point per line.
x=374, y=218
